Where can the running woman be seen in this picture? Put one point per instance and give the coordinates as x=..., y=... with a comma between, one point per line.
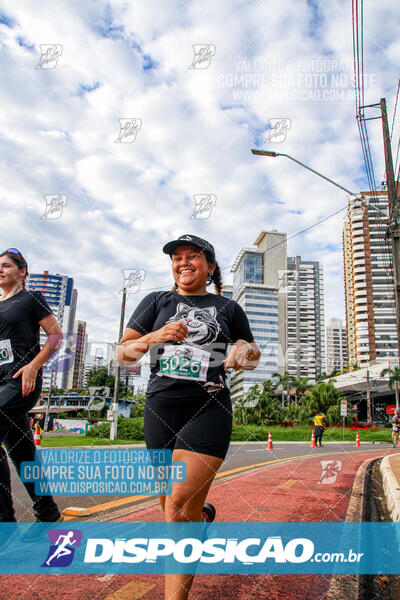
x=396, y=428
x=188, y=407
x=22, y=313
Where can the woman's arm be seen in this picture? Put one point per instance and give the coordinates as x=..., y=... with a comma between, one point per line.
x=132, y=346
x=54, y=339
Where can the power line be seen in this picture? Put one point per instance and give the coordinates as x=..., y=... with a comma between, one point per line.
x=395, y=107
x=272, y=247
x=358, y=62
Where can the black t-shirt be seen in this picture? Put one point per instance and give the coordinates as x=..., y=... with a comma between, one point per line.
x=19, y=330
x=193, y=367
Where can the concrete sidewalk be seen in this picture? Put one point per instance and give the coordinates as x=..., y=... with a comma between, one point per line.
x=390, y=468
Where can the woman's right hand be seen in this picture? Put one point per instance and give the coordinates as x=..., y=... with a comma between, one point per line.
x=171, y=332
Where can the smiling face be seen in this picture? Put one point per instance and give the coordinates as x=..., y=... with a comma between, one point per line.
x=10, y=274
x=190, y=268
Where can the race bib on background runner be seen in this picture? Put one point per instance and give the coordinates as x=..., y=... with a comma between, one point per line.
x=6, y=355
x=184, y=362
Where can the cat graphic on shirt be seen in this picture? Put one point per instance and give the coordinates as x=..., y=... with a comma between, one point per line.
x=201, y=322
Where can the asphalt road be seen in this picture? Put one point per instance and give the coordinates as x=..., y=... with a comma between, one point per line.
x=285, y=491
x=239, y=455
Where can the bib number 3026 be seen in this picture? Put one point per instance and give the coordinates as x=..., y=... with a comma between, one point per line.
x=6, y=355
x=184, y=362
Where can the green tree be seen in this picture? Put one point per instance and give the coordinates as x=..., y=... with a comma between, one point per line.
x=285, y=382
x=56, y=391
x=137, y=410
x=394, y=380
x=321, y=397
x=322, y=377
x=301, y=385
x=80, y=391
x=258, y=407
x=99, y=377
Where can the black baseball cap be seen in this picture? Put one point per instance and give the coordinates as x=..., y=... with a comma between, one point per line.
x=191, y=240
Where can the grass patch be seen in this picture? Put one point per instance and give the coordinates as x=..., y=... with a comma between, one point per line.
x=73, y=440
x=252, y=433
x=240, y=433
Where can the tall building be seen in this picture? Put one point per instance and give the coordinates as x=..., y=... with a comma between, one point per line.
x=98, y=354
x=305, y=318
x=368, y=279
x=75, y=378
x=335, y=346
x=256, y=275
x=62, y=298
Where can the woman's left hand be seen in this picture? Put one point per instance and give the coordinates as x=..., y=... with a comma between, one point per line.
x=28, y=374
x=237, y=358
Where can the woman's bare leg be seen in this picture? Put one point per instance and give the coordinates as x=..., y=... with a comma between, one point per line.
x=185, y=505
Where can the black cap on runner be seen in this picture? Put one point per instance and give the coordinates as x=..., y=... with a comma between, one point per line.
x=191, y=240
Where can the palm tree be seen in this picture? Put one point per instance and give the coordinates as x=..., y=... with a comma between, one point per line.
x=302, y=385
x=258, y=407
x=285, y=381
x=394, y=379
x=322, y=397
x=322, y=377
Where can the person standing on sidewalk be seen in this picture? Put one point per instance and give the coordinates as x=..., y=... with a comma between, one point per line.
x=318, y=427
x=188, y=407
x=22, y=314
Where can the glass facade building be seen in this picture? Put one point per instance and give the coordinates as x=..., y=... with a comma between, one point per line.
x=261, y=305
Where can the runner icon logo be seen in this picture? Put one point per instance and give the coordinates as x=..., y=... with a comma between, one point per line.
x=61, y=551
x=329, y=471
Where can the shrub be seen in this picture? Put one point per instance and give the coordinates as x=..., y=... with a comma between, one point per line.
x=128, y=429
x=249, y=433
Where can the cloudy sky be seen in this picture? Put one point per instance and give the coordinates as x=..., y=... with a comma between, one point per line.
x=116, y=115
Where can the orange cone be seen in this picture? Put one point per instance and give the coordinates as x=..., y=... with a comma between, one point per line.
x=313, y=444
x=37, y=437
x=357, y=440
x=270, y=446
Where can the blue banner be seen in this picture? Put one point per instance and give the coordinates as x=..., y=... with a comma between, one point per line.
x=229, y=548
x=103, y=471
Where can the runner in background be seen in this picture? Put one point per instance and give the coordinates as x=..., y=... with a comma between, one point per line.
x=22, y=314
x=188, y=407
x=396, y=428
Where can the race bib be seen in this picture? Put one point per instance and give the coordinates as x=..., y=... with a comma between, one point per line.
x=6, y=355
x=184, y=362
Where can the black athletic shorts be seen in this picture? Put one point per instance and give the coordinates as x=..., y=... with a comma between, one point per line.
x=200, y=425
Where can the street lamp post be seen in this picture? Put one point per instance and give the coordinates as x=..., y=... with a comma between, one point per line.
x=275, y=154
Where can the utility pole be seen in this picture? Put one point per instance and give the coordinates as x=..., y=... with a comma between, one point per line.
x=114, y=410
x=45, y=424
x=394, y=221
x=369, y=411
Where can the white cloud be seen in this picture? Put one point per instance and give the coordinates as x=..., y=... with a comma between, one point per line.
x=197, y=128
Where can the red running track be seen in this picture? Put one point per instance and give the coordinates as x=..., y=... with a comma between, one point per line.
x=284, y=491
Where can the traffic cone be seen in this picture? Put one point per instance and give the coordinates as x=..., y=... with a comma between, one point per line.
x=270, y=446
x=313, y=444
x=357, y=440
x=37, y=437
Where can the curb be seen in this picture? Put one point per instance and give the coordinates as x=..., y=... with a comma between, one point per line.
x=348, y=586
x=391, y=489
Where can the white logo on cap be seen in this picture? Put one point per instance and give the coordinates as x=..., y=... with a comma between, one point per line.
x=186, y=237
